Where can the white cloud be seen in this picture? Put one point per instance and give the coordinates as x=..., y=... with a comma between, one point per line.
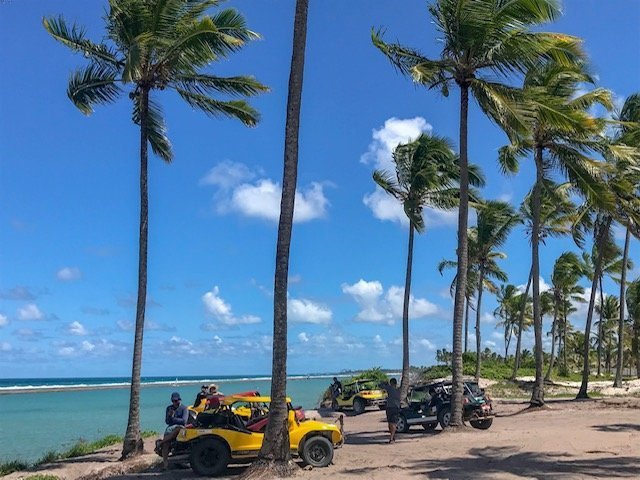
x=76, y=328
x=239, y=191
x=227, y=174
x=379, y=308
x=218, y=308
x=217, y=340
x=30, y=312
x=305, y=311
x=426, y=343
x=3, y=320
x=68, y=274
x=66, y=351
x=262, y=200
x=489, y=343
x=544, y=286
x=303, y=337
x=385, y=139
x=5, y=347
x=487, y=317
x=125, y=325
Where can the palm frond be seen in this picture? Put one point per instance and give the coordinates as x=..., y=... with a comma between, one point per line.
x=237, y=109
x=96, y=84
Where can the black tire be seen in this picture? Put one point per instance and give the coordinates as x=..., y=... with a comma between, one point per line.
x=382, y=407
x=429, y=426
x=335, y=406
x=209, y=457
x=317, y=451
x=358, y=406
x=444, y=417
x=482, y=424
x=402, y=425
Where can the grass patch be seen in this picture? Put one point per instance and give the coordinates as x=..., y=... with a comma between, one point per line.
x=78, y=449
x=12, y=466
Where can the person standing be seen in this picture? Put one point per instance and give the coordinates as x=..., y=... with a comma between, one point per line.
x=393, y=406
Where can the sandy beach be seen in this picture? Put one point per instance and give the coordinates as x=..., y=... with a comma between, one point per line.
x=570, y=439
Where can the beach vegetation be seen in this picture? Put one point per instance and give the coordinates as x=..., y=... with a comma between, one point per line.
x=12, y=466
x=151, y=46
x=42, y=477
x=377, y=374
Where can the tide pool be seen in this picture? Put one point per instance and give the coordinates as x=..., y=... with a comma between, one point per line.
x=35, y=423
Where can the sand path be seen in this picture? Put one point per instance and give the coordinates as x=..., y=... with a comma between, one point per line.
x=569, y=440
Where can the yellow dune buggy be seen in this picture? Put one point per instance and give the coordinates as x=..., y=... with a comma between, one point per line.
x=358, y=395
x=223, y=437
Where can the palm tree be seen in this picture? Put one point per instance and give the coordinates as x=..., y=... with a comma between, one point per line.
x=567, y=271
x=621, y=180
x=480, y=40
x=629, y=133
x=274, y=456
x=557, y=218
x=507, y=311
x=560, y=134
x=609, y=310
x=426, y=175
x=633, y=305
x=150, y=46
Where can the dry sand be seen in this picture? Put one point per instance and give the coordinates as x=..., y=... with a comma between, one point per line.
x=568, y=440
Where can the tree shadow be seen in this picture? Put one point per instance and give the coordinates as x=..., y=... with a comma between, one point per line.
x=367, y=438
x=618, y=427
x=488, y=462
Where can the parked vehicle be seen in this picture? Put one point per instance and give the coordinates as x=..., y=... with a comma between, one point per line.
x=221, y=437
x=359, y=395
x=430, y=405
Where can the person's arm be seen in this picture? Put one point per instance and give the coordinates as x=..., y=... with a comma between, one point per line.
x=168, y=416
x=183, y=417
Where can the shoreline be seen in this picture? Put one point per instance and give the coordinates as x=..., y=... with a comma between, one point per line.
x=18, y=390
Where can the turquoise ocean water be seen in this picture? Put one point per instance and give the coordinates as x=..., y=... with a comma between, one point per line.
x=42, y=420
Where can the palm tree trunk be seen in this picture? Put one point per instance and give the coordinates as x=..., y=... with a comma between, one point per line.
x=537, y=396
x=466, y=324
x=404, y=383
x=600, y=326
x=564, y=335
x=547, y=377
x=133, y=444
x=602, y=236
x=623, y=280
x=461, y=280
x=525, y=296
x=478, y=316
x=274, y=454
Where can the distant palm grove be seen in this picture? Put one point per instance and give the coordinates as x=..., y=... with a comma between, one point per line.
x=536, y=86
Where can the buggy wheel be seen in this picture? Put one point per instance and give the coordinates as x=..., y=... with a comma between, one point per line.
x=444, y=417
x=481, y=424
x=358, y=406
x=402, y=425
x=317, y=451
x=335, y=406
x=209, y=457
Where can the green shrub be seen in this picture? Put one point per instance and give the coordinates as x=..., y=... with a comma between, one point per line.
x=42, y=477
x=375, y=373
x=12, y=466
x=50, y=456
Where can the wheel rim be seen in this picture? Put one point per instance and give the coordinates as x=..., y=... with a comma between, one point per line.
x=209, y=457
x=401, y=424
x=446, y=418
x=317, y=452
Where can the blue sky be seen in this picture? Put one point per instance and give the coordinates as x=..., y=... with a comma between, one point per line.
x=69, y=196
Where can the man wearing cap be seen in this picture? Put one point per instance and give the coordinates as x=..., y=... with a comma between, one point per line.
x=176, y=417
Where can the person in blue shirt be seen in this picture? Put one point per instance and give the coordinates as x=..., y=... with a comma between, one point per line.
x=176, y=417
